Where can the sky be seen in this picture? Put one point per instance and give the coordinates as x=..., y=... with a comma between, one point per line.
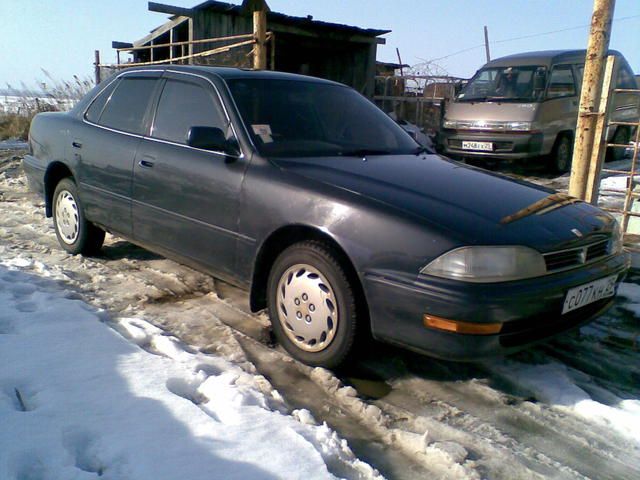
x=61, y=36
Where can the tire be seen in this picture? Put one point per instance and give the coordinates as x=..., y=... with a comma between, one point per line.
x=561, y=154
x=312, y=305
x=75, y=234
x=621, y=137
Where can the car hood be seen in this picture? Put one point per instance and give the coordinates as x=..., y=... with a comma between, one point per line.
x=469, y=203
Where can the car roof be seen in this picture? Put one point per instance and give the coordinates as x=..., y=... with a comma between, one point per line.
x=542, y=58
x=232, y=73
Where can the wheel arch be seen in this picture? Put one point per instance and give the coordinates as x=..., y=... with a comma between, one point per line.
x=283, y=238
x=56, y=171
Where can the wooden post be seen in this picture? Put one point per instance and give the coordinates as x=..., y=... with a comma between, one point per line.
x=171, y=46
x=590, y=96
x=273, y=51
x=97, y=67
x=600, y=138
x=486, y=43
x=260, y=34
x=190, y=40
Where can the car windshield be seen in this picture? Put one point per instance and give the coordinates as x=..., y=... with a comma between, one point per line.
x=524, y=84
x=293, y=118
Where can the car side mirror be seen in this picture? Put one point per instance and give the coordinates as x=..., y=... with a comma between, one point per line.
x=211, y=138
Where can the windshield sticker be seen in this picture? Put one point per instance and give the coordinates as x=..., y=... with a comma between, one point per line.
x=263, y=131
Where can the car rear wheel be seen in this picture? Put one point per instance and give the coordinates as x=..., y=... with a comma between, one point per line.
x=311, y=304
x=561, y=154
x=75, y=234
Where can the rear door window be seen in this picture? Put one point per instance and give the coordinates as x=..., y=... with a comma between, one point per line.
x=94, y=111
x=184, y=104
x=561, y=83
x=128, y=104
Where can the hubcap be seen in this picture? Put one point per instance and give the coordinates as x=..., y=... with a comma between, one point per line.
x=307, y=308
x=67, y=219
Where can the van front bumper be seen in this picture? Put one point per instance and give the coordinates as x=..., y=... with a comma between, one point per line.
x=529, y=310
x=506, y=146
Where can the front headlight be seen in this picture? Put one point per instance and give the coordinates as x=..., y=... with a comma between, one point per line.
x=450, y=124
x=520, y=126
x=487, y=264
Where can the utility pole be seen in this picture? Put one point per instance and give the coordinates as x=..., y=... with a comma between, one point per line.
x=400, y=62
x=97, y=67
x=486, y=43
x=590, y=97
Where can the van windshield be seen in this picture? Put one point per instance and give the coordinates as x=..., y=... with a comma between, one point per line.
x=505, y=84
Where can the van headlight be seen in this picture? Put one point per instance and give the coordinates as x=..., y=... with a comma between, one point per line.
x=488, y=264
x=520, y=126
x=450, y=124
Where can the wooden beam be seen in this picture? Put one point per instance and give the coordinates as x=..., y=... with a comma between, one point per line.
x=600, y=138
x=161, y=30
x=121, y=45
x=169, y=9
x=326, y=35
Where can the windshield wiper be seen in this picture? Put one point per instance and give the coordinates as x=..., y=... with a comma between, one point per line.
x=421, y=149
x=363, y=152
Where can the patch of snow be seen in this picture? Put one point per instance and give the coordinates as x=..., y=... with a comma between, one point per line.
x=553, y=384
x=77, y=400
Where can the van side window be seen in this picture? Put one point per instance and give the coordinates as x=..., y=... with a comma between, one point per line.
x=625, y=78
x=561, y=83
x=580, y=75
x=184, y=105
x=94, y=111
x=128, y=104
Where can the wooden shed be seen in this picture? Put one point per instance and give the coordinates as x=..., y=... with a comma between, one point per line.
x=334, y=51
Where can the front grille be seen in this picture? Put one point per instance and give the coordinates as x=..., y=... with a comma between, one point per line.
x=574, y=257
x=597, y=250
x=528, y=330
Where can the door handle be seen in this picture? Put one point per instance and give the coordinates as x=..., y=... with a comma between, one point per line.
x=76, y=144
x=146, y=161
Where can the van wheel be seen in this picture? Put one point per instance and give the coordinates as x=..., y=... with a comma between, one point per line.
x=75, y=234
x=621, y=137
x=312, y=305
x=561, y=154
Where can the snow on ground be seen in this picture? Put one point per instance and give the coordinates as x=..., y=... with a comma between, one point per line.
x=567, y=409
x=553, y=384
x=79, y=400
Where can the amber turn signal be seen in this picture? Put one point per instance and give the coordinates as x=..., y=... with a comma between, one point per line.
x=455, y=326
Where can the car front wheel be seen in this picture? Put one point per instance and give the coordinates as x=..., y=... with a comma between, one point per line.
x=75, y=234
x=312, y=305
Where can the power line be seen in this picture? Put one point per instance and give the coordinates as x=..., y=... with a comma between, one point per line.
x=523, y=37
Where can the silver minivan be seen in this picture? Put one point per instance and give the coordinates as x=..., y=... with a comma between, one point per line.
x=525, y=106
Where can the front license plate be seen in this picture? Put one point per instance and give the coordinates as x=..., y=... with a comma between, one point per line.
x=589, y=292
x=484, y=146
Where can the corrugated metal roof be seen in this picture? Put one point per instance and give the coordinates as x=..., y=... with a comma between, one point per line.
x=284, y=19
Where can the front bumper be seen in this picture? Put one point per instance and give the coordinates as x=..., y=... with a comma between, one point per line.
x=530, y=310
x=506, y=146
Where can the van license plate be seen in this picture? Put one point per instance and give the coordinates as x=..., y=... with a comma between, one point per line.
x=484, y=146
x=589, y=292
